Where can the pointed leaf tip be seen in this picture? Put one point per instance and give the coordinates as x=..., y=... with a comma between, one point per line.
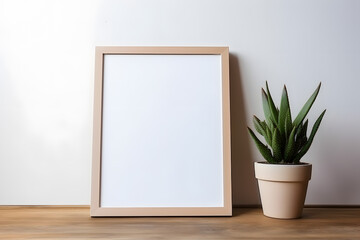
x=273, y=110
x=306, y=108
x=284, y=111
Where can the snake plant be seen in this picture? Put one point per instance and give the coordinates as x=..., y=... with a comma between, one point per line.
x=286, y=139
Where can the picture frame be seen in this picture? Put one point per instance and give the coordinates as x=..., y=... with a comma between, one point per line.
x=161, y=132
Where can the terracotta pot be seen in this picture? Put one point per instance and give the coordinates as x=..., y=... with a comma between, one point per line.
x=283, y=188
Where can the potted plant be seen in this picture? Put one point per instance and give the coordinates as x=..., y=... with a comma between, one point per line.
x=282, y=178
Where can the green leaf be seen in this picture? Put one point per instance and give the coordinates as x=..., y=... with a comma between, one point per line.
x=277, y=145
x=300, y=143
x=284, y=111
x=274, y=124
x=290, y=146
x=288, y=125
x=271, y=125
x=264, y=150
x=268, y=136
x=301, y=133
x=259, y=128
x=305, y=109
x=273, y=110
x=266, y=107
x=311, y=138
x=263, y=124
x=300, y=136
x=267, y=133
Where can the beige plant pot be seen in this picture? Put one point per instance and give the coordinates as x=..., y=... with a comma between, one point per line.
x=282, y=188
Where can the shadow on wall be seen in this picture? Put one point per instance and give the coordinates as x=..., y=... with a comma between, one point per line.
x=244, y=187
x=336, y=163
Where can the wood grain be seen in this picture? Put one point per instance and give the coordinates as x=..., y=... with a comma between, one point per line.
x=247, y=223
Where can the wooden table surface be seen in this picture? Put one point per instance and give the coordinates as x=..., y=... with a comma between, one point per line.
x=247, y=223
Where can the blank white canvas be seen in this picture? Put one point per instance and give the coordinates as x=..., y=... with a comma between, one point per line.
x=162, y=131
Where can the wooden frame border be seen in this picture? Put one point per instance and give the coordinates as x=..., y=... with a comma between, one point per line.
x=95, y=209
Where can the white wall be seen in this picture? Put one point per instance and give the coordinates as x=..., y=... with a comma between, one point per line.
x=46, y=84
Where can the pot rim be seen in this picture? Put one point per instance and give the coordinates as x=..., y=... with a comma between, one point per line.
x=283, y=172
x=284, y=164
